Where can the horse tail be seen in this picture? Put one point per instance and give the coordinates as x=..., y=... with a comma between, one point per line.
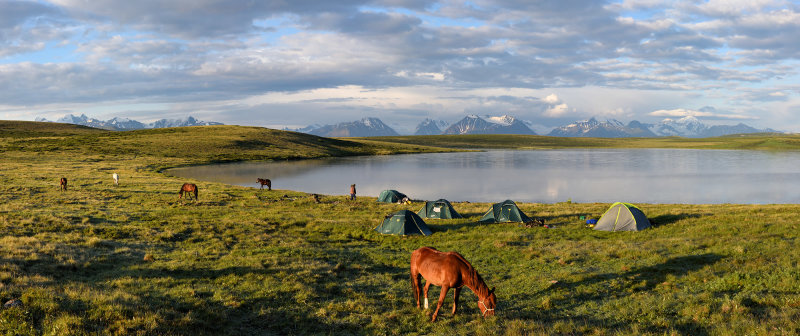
x=195, y=193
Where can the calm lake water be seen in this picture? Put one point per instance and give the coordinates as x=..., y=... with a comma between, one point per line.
x=543, y=176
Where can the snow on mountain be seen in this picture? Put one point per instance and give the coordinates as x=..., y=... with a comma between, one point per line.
x=306, y=129
x=473, y=124
x=688, y=126
x=502, y=120
x=125, y=124
x=365, y=127
x=190, y=121
x=430, y=127
x=611, y=128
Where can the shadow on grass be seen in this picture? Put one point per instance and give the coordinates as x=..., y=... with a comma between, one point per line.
x=598, y=289
x=672, y=218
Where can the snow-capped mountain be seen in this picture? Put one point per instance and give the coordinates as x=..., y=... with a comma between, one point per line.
x=125, y=124
x=306, y=129
x=689, y=127
x=430, y=127
x=190, y=121
x=611, y=128
x=473, y=124
x=362, y=128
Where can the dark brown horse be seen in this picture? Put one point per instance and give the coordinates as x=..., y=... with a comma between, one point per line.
x=63, y=183
x=449, y=270
x=265, y=182
x=188, y=188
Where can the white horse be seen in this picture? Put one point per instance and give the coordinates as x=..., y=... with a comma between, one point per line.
x=115, y=176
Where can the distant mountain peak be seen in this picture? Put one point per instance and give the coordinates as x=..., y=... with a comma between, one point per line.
x=126, y=124
x=473, y=124
x=365, y=127
x=430, y=127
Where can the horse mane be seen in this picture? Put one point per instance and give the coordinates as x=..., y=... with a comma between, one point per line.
x=473, y=279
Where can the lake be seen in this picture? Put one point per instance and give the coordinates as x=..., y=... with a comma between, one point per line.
x=542, y=176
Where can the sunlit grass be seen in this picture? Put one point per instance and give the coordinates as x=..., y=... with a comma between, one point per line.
x=133, y=259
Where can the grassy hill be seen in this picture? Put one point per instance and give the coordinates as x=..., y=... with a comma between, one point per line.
x=134, y=259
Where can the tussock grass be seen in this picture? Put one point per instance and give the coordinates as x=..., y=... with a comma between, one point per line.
x=133, y=259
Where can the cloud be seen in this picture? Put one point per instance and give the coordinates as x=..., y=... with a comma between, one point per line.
x=707, y=113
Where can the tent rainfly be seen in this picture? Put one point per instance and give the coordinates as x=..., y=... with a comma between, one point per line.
x=403, y=222
x=390, y=196
x=505, y=211
x=440, y=208
x=622, y=217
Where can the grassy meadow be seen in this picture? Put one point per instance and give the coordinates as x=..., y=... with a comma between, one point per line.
x=133, y=259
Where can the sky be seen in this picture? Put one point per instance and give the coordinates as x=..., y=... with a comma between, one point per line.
x=292, y=63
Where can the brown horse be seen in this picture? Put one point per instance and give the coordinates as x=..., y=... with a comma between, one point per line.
x=449, y=270
x=188, y=188
x=265, y=182
x=63, y=183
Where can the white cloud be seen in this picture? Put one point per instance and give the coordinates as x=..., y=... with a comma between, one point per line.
x=694, y=113
x=557, y=111
x=551, y=99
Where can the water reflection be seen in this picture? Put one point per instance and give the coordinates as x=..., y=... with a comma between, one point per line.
x=582, y=175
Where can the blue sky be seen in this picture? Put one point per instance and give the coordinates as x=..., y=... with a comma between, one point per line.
x=294, y=63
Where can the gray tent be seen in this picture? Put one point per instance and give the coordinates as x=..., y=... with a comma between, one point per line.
x=505, y=211
x=391, y=196
x=440, y=208
x=403, y=222
x=622, y=217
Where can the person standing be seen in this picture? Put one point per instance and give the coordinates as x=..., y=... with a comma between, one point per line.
x=352, y=192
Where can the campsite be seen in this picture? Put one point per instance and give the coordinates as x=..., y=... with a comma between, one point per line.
x=135, y=259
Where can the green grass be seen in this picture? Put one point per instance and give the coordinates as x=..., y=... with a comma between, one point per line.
x=133, y=259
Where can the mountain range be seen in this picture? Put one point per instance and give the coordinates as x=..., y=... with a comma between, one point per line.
x=125, y=124
x=689, y=127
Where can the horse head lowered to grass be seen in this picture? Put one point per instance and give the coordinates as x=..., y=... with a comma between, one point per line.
x=188, y=188
x=449, y=270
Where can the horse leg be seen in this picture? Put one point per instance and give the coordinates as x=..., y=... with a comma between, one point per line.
x=415, y=284
x=456, y=291
x=427, y=285
x=441, y=301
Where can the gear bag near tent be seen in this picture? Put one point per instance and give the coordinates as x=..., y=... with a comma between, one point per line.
x=505, y=211
x=403, y=222
x=391, y=196
x=440, y=208
x=622, y=217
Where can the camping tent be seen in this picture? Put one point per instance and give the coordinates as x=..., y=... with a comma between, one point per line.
x=403, y=222
x=622, y=217
x=440, y=208
x=390, y=196
x=505, y=211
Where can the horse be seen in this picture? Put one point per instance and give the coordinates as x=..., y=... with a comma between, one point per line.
x=449, y=270
x=63, y=183
x=115, y=176
x=189, y=188
x=265, y=182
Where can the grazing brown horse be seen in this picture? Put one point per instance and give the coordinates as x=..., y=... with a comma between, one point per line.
x=265, y=182
x=188, y=188
x=63, y=183
x=449, y=270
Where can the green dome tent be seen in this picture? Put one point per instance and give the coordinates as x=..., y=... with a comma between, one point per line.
x=440, y=208
x=505, y=211
x=403, y=222
x=622, y=217
x=390, y=196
